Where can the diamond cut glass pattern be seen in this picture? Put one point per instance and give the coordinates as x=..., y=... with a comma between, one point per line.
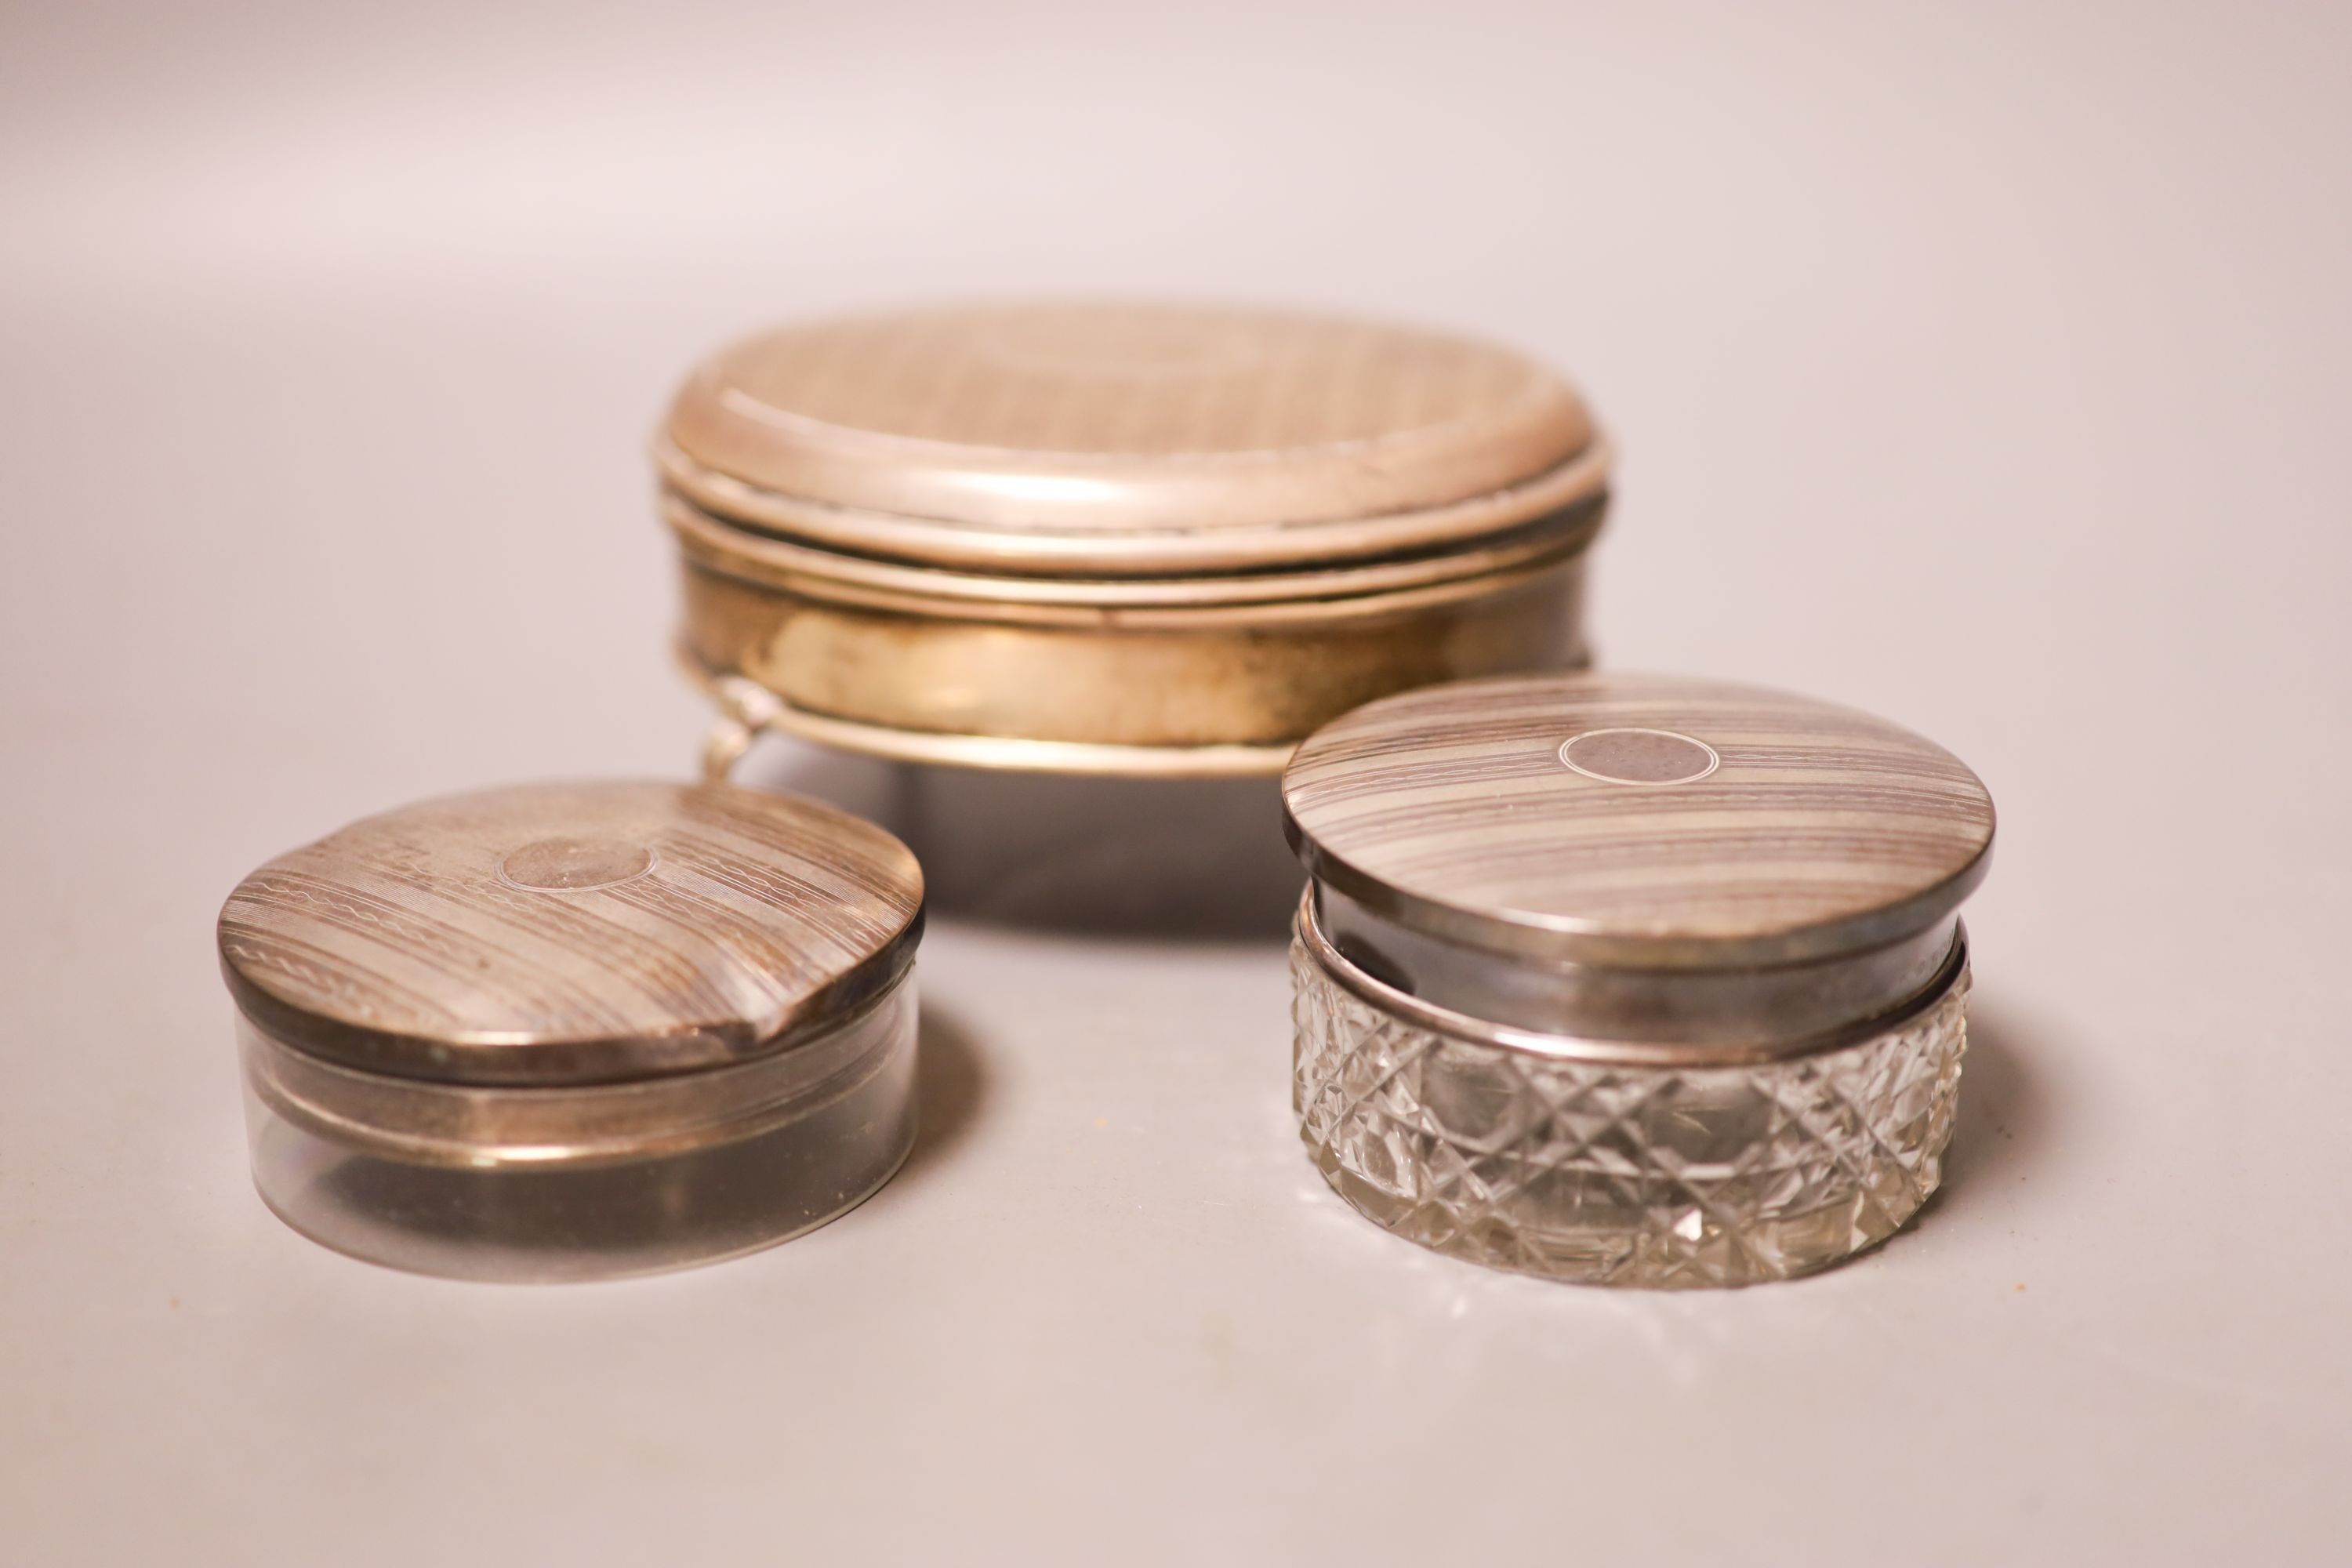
x=1655, y=1177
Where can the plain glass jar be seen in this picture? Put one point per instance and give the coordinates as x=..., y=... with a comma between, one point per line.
x=577, y=1031
x=1631, y=980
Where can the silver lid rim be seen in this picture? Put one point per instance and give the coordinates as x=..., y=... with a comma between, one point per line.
x=1387, y=998
x=1578, y=483
x=1551, y=937
x=586, y=1063
x=481, y=1127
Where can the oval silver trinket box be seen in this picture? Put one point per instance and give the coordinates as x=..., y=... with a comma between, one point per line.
x=1116, y=539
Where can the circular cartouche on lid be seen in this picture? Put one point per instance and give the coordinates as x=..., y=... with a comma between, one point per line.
x=1638, y=821
x=571, y=934
x=1126, y=439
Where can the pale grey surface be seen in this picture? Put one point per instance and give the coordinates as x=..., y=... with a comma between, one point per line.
x=1986, y=370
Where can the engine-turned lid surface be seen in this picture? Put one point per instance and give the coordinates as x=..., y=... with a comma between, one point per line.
x=1638, y=820
x=1123, y=438
x=571, y=933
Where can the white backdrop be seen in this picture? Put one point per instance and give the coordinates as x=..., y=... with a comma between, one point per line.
x=1984, y=366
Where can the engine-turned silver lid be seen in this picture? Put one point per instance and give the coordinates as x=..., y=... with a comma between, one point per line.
x=571, y=933
x=1650, y=864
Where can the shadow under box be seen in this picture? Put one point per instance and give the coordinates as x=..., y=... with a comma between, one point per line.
x=2004, y=1127
x=951, y=1086
x=1185, y=859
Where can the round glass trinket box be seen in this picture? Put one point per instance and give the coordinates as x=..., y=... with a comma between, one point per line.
x=1116, y=539
x=1631, y=980
x=576, y=1031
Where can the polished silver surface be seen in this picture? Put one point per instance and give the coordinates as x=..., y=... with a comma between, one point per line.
x=1696, y=1007
x=1689, y=1020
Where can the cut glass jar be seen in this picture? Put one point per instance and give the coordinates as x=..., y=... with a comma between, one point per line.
x=577, y=1031
x=1116, y=539
x=1631, y=980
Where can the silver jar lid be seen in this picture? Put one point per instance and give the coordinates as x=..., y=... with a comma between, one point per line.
x=1636, y=866
x=569, y=934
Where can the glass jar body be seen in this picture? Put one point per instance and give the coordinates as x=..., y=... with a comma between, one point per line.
x=1653, y=1176
x=595, y=1181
